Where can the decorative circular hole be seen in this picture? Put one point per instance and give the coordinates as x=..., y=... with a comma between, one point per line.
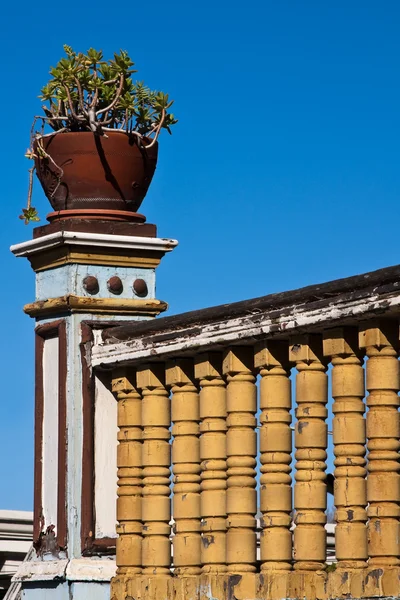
x=140, y=287
x=115, y=285
x=91, y=285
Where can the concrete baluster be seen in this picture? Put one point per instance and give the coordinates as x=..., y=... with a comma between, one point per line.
x=311, y=444
x=186, y=467
x=238, y=367
x=272, y=359
x=208, y=372
x=156, y=459
x=129, y=462
x=350, y=492
x=381, y=341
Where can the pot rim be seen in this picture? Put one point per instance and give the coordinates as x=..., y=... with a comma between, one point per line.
x=121, y=131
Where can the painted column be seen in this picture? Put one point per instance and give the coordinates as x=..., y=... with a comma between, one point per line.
x=241, y=497
x=88, y=274
x=129, y=462
x=186, y=466
x=348, y=390
x=156, y=460
x=381, y=341
x=272, y=358
x=311, y=439
x=208, y=372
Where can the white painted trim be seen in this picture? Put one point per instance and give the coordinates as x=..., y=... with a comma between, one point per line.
x=50, y=431
x=72, y=238
x=105, y=461
x=222, y=332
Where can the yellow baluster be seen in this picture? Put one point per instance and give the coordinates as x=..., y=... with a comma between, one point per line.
x=186, y=466
x=311, y=444
x=238, y=365
x=156, y=460
x=208, y=371
x=381, y=339
x=341, y=344
x=275, y=446
x=129, y=462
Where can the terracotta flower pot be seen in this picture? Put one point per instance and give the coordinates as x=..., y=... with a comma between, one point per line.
x=95, y=172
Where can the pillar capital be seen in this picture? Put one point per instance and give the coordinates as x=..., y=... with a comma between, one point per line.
x=92, y=272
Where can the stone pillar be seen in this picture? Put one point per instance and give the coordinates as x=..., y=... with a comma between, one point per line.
x=88, y=274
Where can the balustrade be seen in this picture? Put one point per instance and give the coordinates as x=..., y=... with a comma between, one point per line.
x=225, y=528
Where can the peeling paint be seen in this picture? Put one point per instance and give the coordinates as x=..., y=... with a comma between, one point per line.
x=207, y=540
x=225, y=331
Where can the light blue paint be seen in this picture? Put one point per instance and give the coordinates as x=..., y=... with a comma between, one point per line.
x=68, y=279
x=66, y=590
x=44, y=590
x=82, y=590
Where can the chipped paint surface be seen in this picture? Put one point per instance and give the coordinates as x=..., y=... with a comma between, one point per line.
x=267, y=586
x=77, y=590
x=246, y=329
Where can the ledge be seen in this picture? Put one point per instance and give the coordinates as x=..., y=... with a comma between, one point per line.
x=103, y=240
x=76, y=569
x=83, y=304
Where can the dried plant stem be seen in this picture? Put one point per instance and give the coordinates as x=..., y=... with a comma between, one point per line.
x=30, y=188
x=47, y=155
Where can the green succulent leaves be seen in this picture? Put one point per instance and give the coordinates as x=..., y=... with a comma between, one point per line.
x=29, y=215
x=87, y=93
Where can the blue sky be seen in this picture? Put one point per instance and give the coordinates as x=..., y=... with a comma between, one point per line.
x=283, y=170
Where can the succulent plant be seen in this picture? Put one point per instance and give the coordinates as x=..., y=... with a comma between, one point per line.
x=87, y=93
